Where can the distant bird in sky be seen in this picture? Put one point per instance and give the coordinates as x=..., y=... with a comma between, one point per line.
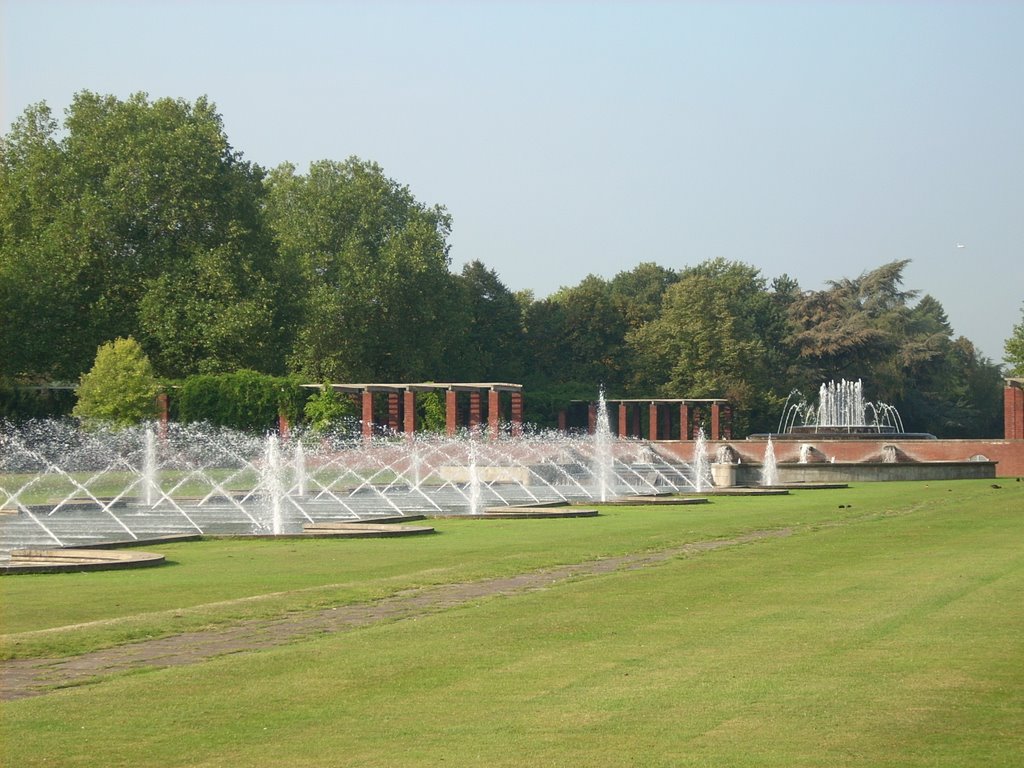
x=960, y=245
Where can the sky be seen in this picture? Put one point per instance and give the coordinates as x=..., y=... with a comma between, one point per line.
x=813, y=139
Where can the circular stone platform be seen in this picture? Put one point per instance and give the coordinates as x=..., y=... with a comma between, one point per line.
x=65, y=560
x=364, y=530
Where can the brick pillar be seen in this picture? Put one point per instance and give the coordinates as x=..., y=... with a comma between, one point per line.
x=367, y=413
x=451, y=412
x=623, y=421
x=409, y=427
x=715, y=433
x=591, y=418
x=282, y=425
x=393, y=411
x=1013, y=411
x=474, y=409
x=652, y=421
x=517, y=415
x=163, y=404
x=493, y=412
x=684, y=421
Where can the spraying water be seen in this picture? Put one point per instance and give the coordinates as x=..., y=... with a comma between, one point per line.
x=150, y=479
x=301, y=480
x=273, y=487
x=769, y=467
x=603, y=459
x=701, y=466
x=805, y=453
x=474, y=477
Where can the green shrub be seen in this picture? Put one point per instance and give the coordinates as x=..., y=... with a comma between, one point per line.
x=19, y=402
x=121, y=387
x=327, y=408
x=431, y=406
x=244, y=400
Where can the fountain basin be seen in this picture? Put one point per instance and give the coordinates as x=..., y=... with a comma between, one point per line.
x=75, y=560
x=364, y=530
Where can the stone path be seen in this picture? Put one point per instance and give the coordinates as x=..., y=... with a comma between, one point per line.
x=21, y=678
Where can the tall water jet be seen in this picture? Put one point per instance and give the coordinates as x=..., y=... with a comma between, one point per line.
x=701, y=466
x=474, y=477
x=150, y=479
x=769, y=467
x=301, y=478
x=273, y=487
x=603, y=459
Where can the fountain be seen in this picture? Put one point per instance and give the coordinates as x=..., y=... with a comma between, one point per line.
x=272, y=485
x=64, y=486
x=841, y=412
x=806, y=451
x=603, y=461
x=769, y=467
x=701, y=467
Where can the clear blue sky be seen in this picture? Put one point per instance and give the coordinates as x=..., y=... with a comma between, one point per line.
x=815, y=139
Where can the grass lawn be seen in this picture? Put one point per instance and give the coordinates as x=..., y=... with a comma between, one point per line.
x=888, y=632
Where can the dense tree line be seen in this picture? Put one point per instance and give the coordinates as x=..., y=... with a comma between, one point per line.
x=138, y=218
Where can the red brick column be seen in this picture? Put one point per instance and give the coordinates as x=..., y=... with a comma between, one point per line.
x=591, y=418
x=474, y=409
x=409, y=427
x=623, y=419
x=652, y=421
x=493, y=412
x=451, y=412
x=1013, y=411
x=282, y=425
x=715, y=433
x=367, y=413
x=393, y=411
x=684, y=421
x=517, y=415
x=563, y=420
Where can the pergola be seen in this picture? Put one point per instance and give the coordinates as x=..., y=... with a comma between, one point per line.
x=669, y=418
x=467, y=404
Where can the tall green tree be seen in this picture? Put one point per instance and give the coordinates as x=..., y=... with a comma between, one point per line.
x=639, y=292
x=491, y=343
x=140, y=218
x=376, y=299
x=593, y=333
x=1014, y=348
x=714, y=337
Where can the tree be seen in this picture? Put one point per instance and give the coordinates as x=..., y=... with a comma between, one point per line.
x=713, y=338
x=376, y=300
x=491, y=344
x=639, y=292
x=1014, y=348
x=593, y=332
x=141, y=219
x=120, y=388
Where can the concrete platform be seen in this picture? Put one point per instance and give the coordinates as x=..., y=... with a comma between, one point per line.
x=75, y=560
x=363, y=530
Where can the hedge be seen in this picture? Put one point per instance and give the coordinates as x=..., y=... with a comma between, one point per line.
x=244, y=400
